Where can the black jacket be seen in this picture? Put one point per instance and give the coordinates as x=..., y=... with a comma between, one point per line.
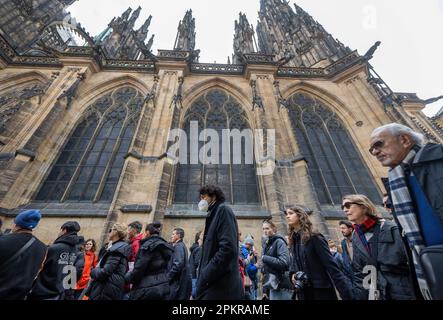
x=194, y=259
x=315, y=259
x=108, y=278
x=276, y=260
x=428, y=169
x=179, y=274
x=62, y=253
x=17, y=277
x=394, y=278
x=150, y=275
x=219, y=269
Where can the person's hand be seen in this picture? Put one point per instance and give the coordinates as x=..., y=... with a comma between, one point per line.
x=265, y=297
x=259, y=263
x=293, y=279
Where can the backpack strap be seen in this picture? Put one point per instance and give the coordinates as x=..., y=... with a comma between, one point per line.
x=18, y=253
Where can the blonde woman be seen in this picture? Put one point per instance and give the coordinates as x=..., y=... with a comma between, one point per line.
x=108, y=278
x=377, y=242
x=314, y=271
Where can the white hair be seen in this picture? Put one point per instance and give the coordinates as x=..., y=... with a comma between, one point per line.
x=397, y=129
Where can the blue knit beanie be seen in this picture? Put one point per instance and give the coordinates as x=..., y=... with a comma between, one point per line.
x=28, y=219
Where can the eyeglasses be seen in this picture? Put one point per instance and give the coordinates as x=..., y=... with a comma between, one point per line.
x=110, y=230
x=347, y=205
x=376, y=145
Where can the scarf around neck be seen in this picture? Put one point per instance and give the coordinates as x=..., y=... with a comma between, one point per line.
x=405, y=211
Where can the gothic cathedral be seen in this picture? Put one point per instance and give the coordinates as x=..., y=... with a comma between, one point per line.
x=84, y=127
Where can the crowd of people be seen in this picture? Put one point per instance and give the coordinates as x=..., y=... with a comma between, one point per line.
x=394, y=258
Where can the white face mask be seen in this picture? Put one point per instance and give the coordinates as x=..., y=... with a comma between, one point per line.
x=203, y=205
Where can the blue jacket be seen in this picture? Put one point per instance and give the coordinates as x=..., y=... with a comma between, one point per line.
x=251, y=269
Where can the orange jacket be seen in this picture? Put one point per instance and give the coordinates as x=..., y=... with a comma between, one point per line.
x=90, y=263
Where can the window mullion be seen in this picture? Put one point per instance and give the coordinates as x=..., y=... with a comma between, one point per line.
x=320, y=171
x=110, y=162
x=339, y=158
x=82, y=160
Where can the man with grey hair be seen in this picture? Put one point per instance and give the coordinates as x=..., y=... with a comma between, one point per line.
x=416, y=190
x=178, y=270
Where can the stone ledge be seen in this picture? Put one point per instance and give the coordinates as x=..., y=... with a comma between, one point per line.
x=52, y=209
x=187, y=211
x=136, y=208
x=6, y=156
x=27, y=153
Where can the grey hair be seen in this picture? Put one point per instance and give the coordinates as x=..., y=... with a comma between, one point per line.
x=397, y=129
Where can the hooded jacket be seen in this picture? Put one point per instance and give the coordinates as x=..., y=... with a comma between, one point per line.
x=150, y=275
x=108, y=278
x=61, y=254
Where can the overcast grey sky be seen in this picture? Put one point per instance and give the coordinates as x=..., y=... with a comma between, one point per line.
x=409, y=58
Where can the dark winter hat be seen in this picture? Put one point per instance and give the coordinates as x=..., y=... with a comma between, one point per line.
x=28, y=219
x=71, y=226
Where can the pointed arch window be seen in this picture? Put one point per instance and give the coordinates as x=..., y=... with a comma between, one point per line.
x=16, y=106
x=217, y=110
x=90, y=164
x=334, y=163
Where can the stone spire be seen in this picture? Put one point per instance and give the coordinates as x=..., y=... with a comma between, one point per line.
x=121, y=41
x=150, y=42
x=283, y=32
x=243, y=39
x=185, y=40
x=23, y=21
x=133, y=19
x=142, y=33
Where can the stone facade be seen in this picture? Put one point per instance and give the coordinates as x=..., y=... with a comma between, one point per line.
x=46, y=97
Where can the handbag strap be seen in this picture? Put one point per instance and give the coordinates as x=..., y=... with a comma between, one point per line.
x=18, y=253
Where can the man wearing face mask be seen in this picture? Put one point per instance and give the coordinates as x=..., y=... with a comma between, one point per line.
x=219, y=277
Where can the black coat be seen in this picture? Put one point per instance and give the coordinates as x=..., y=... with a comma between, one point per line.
x=49, y=283
x=108, y=278
x=276, y=260
x=179, y=273
x=194, y=259
x=219, y=269
x=150, y=275
x=315, y=259
x=17, y=277
x=394, y=278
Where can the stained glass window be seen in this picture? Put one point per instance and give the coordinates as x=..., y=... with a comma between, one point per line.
x=334, y=163
x=216, y=110
x=91, y=161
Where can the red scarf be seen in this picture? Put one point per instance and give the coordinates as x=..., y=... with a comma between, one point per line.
x=366, y=226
